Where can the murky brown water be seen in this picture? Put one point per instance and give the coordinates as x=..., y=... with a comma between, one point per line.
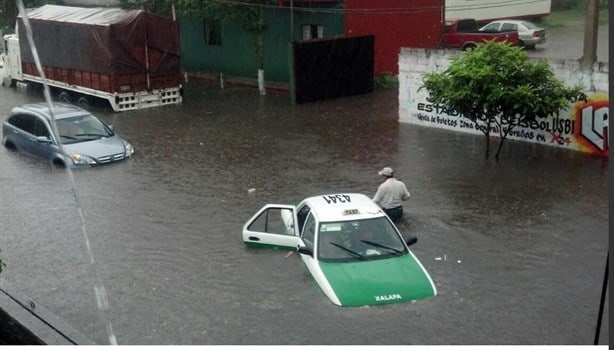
x=524, y=240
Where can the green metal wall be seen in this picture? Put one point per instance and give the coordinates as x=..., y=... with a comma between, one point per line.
x=235, y=57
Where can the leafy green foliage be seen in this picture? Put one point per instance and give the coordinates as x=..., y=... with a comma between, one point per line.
x=558, y=5
x=497, y=84
x=159, y=7
x=8, y=12
x=386, y=81
x=247, y=14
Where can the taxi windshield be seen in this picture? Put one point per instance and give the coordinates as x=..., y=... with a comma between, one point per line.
x=367, y=239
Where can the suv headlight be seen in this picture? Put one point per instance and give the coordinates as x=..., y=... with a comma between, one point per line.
x=82, y=159
x=129, y=150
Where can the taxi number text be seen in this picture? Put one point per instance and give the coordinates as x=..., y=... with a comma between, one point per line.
x=337, y=198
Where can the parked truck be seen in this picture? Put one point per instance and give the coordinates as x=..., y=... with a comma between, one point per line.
x=130, y=58
x=465, y=34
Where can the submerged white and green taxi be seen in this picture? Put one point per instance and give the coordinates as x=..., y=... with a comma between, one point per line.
x=351, y=248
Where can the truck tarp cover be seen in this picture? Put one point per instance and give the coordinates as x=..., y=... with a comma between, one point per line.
x=102, y=40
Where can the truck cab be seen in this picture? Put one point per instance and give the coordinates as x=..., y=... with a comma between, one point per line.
x=10, y=60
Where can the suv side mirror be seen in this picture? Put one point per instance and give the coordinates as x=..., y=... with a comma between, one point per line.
x=43, y=139
x=411, y=240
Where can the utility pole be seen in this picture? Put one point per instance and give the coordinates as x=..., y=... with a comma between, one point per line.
x=291, y=55
x=591, y=25
x=291, y=20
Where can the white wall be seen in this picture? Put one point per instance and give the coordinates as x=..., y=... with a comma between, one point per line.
x=582, y=127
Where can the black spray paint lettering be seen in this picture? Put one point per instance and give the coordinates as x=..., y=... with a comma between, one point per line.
x=437, y=109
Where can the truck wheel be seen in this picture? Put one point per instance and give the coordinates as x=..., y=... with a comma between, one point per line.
x=83, y=102
x=469, y=47
x=8, y=82
x=32, y=88
x=65, y=97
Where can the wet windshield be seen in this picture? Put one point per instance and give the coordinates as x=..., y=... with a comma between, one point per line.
x=358, y=240
x=81, y=128
x=149, y=251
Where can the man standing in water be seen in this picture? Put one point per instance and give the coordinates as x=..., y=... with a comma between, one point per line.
x=390, y=195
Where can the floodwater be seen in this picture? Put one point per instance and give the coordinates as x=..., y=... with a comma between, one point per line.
x=516, y=249
x=567, y=42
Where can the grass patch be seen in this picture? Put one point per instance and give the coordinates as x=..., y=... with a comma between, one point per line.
x=386, y=81
x=562, y=18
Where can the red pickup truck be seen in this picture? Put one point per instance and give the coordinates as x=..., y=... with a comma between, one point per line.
x=464, y=34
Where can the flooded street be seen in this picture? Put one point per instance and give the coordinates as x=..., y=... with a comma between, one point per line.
x=516, y=249
x=567, y=42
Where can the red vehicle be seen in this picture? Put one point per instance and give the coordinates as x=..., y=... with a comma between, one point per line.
x=465, y=34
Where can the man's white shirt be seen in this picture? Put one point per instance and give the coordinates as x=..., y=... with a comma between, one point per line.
x=391, y=193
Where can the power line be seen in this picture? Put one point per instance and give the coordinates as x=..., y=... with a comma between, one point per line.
x=392, y=11
x=334, y=10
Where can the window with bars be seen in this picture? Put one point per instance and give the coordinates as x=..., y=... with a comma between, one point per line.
x=212, y=32
x=312, y=31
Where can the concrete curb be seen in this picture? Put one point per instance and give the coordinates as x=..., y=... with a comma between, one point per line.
x=277, y=87
x=24, y=322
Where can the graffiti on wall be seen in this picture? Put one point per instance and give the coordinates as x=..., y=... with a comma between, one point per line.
x=591, y=129
x=583, y=127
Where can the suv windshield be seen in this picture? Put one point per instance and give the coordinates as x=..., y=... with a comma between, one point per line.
x=81, y=128
x=367, y=239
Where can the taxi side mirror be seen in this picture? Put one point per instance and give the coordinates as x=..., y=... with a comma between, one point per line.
x=305, y=250
x=411, y=240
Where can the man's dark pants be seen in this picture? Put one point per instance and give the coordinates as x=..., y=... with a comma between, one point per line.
x=394, y=214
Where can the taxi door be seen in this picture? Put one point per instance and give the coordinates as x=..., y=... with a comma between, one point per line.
x=272, y=227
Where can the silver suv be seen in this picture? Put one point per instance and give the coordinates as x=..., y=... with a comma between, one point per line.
x=81, y=140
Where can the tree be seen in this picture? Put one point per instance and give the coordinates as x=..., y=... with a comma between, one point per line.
x=159, y=7
x=498, y=87
x=247, y=14
x=8, y=11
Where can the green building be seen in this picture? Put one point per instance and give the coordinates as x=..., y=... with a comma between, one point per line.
x=212, y=47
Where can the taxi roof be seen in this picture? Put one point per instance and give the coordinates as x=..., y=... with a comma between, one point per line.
x=343, y=206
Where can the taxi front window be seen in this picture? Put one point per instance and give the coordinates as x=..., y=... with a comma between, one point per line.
x=309, y=232
x=367, y=239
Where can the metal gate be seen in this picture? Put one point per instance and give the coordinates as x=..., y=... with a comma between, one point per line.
x=331, y=68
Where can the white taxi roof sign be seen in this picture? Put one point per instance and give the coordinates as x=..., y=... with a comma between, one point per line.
x=343, y=206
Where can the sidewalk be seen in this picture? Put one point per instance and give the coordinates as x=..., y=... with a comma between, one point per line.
x=242, y=81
